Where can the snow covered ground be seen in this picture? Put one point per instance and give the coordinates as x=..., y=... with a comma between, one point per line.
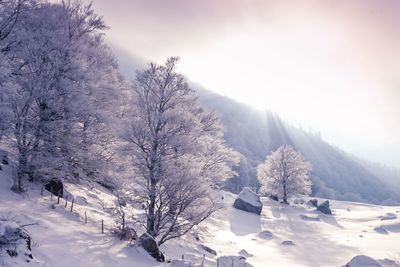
x=62, y=239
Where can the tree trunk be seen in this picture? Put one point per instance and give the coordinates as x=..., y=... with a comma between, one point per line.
x=22, y=162
x=151, y=214
x=284, y=192
x=17, y=186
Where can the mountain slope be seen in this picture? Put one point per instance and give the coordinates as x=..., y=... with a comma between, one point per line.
x=336, y=174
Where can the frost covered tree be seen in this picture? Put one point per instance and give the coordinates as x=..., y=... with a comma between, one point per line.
x=178, y=152
x=285, y=173
x=10, y=11
x=9, y=14
x=64, y=83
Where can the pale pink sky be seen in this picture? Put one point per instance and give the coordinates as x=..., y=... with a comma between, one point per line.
x=333, y=66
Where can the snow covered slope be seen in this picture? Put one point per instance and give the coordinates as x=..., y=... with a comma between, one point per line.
x=336, y=174
x=62, y=239
x=319, y=240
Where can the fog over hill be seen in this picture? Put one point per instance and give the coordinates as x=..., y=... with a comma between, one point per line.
x=336, y=174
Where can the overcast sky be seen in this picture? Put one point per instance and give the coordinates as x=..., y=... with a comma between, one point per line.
x=333, y=66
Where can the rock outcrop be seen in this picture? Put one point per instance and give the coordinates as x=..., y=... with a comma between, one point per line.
x=288, y=243
x=313, y=202
x=150, y=245
x=248, y=201
x=55, y=187
x=209, y=250
x=363, y=261
x=325, y=208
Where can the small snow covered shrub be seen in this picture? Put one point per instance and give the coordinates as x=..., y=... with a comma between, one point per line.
x=14, y=241
x=124, y=220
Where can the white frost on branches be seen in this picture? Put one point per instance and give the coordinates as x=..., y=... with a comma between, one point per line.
x=177, y=150
x=285, y=173
x=60, y=91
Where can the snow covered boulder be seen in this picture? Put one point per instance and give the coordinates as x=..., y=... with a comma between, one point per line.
x=150, y=245
x=248, y=201
x=232, y=261
x=288, y=243
x=208, y=249
x=325, y=208
x=381, y=230
x=363, y=261
x=266, y=234
x=245, y=254
x=310, y=217
x=55, y=187
x=274, y=197
x=388, y=263
x=313, y=202
x=388, y=216
x=4, y=160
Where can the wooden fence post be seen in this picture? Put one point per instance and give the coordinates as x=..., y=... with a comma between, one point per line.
x=123, y=222
x=58, y=197
x=85, y=218
x=66, y=201
x=72, y=204
x=202, y=262
x=102, y=226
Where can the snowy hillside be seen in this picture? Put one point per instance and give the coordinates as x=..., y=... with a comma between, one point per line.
x=150, y=170
x=61, y=238
x=336, y=174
